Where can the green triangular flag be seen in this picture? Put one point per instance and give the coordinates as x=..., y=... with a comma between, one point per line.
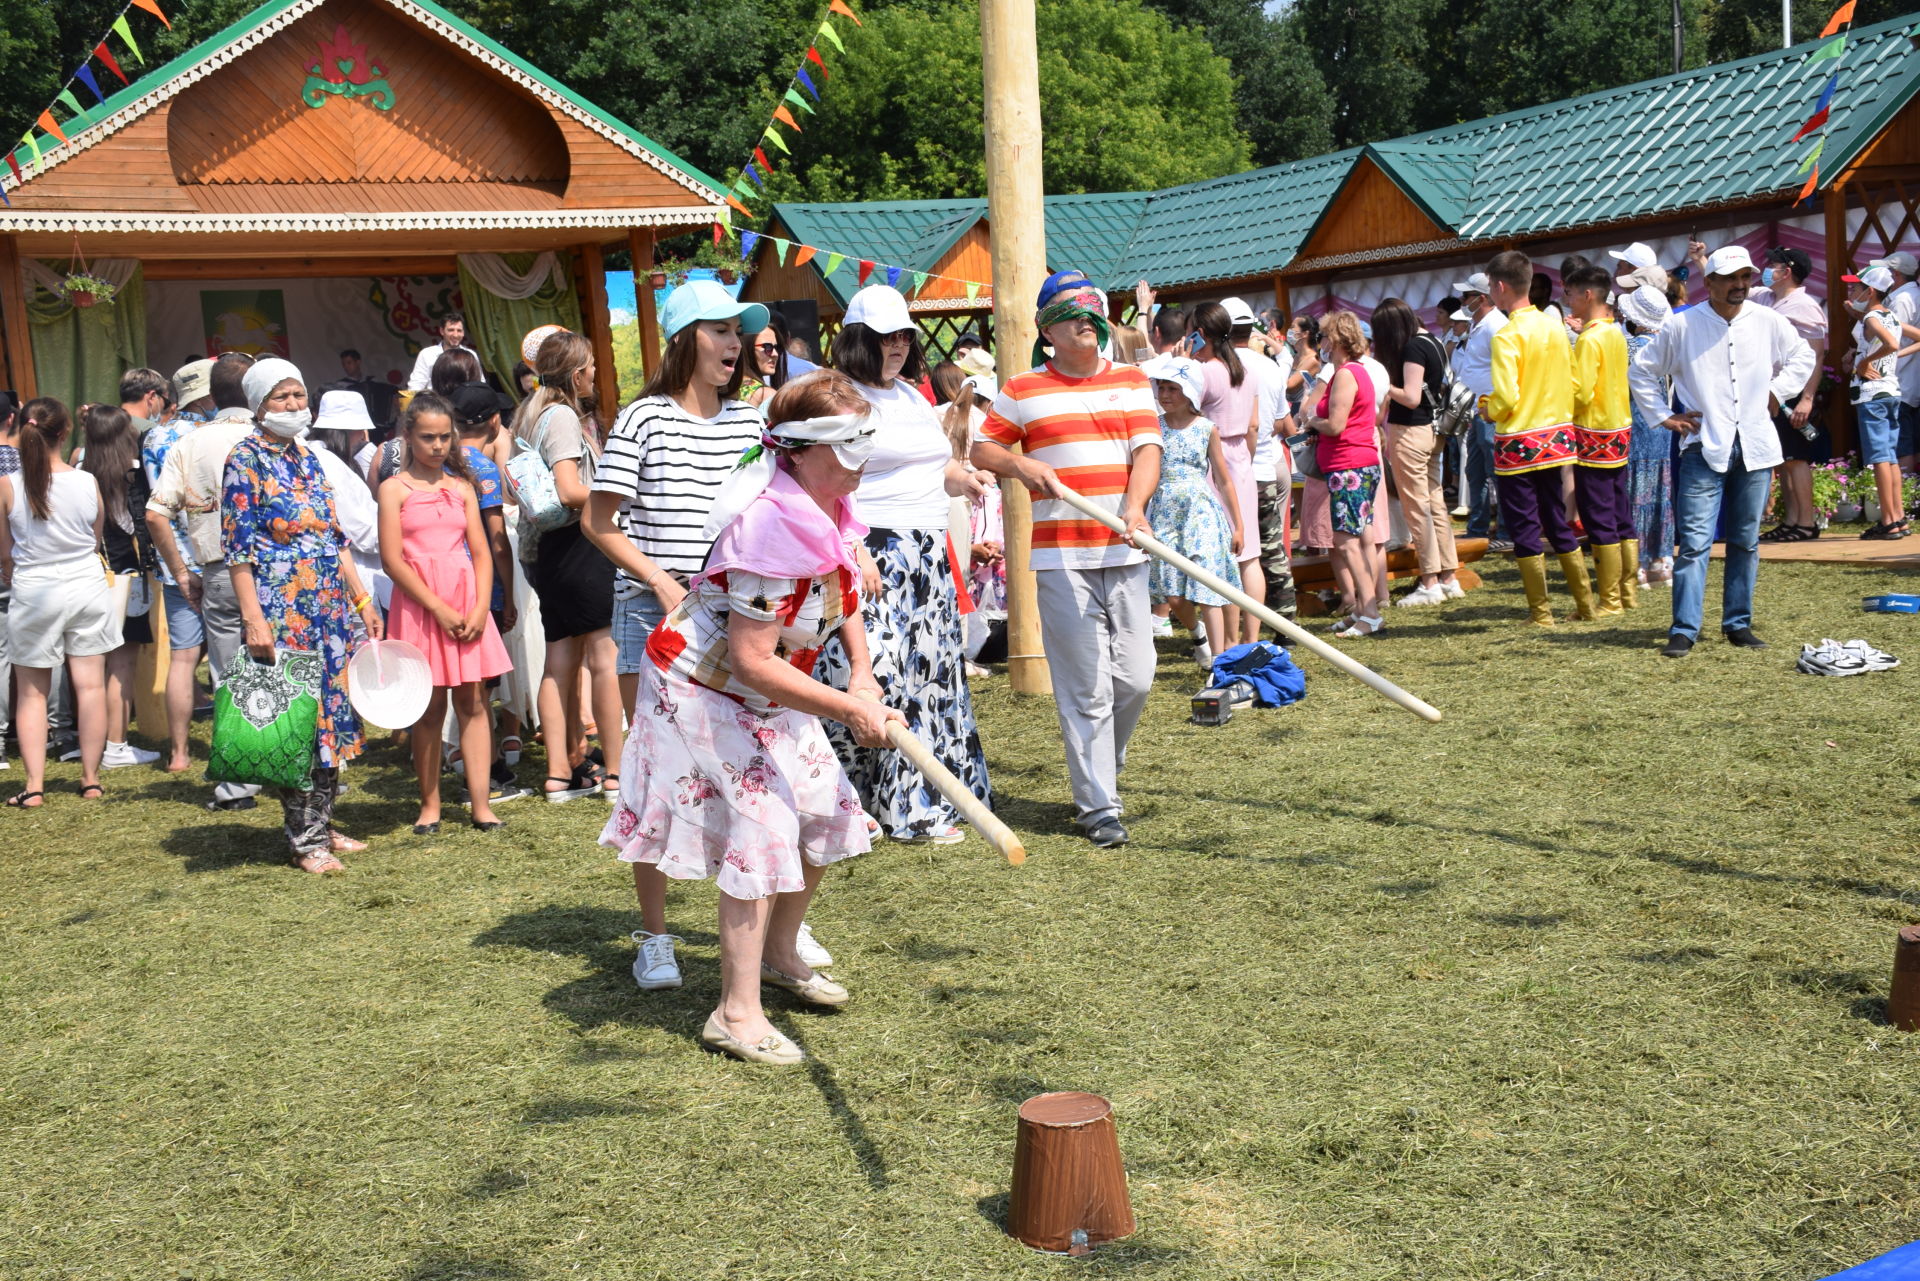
x=826, y=29
x=1831, y=49
x=833, y=263
x=73, y=103
x=33, y=144
x=744, y=187
x=1812, y=156
x=794, y=96
x=973, y=291
x=121, y=29
x=919, y=282
x=780, y=248
x=773, y=135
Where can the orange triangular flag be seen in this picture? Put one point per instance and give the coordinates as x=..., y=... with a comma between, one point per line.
x=1841, y=17
x=840, y=6
x=153, y=7
x=51, y=125
x=1812, y=182
x=785, y=117
x=804, y=257
x=742, y=208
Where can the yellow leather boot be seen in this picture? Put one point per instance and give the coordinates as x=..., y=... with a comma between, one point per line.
x=1606, y=568
x=1573, y=566
x=1533, y=573
x=1630, y=573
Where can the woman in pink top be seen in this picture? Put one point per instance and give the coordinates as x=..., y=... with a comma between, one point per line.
x=1349, y=457
x=1231, y=402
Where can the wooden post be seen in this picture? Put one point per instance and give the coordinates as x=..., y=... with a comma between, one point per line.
x=606, y=379
x=640, y=242
x=1839, y=319
x=1282, y=299
x=1069, y=1183
x=13, y=318
x=1010, y=71
x=1903, y=997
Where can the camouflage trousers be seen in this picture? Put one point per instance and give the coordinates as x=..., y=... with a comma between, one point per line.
x=1274, y=563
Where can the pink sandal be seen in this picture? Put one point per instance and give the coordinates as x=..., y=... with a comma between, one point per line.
x=320, y=864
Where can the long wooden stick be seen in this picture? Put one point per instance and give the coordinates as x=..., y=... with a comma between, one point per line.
x=998, y=834
x=1358, y=670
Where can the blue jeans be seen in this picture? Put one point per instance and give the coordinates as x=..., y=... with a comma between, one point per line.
x=1482, y=508
x=1702, y=496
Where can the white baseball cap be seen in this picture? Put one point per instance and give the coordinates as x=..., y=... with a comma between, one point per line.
x=880, y=308
x=1902, y=262
x=1878, y=279
x=1462, y=314
x=982, y=385
x=1728, y=259
x=1238, y=312
x=1477, y=283
x=1637, y=254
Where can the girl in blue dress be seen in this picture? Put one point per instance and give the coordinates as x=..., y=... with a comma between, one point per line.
x=1186, y=511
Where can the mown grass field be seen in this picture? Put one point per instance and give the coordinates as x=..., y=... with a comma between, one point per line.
x=1586, y=982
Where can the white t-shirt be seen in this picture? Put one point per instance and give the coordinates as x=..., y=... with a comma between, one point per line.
x=905, y=486
x=1904, y=303
x=73, y=501
x=422, y=376
x=1270, y=376
x=668, y=465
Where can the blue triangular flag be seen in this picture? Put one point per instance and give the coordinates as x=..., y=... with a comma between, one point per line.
x=85, y=77
x=748, y=239
x=1826, y=94
x=754, y=174
x=893, y=277
x=807, y=80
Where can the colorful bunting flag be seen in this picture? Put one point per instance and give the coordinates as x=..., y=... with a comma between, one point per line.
x=755, y=175
x=893, y=277
x=51, y=125
x=1806, y=192
x=121, y=29
x=833, y=263
x=1831, y=49
x=718, y=234
x=804, y=257
x=15, y=166
x=866, y=269
x=152, y=7
x=33, y=145
x=919, y=282
x=793, y=96
x=1841, y=17
x=1812, y=156
x=735, y=204
x=742, y=186
x=840, y=7
x=748, y=239
x=826, y=29
x=1813, y=122
x=773, y=135
x=760, y=158
x=807, y=81
x=1826, y=94
x=813, y=56
x=785, y=117
x=71, y=103
x=973, y=291
x=85, y=77
x=780, y=248
x=106, y=60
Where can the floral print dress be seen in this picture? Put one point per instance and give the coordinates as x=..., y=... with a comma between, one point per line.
x=276, y=514
x=1650, y=479
x=1187, y=513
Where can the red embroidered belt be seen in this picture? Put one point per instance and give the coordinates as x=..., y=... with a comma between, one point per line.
x=1524, y=451
x=1603, y=448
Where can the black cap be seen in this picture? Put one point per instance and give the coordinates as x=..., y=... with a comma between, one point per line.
x=1796, y=259
x=474, y=403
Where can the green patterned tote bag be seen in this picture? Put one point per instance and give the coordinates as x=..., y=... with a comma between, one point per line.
x=263, y=721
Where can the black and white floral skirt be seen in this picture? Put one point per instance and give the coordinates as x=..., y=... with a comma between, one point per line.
x=914, y=637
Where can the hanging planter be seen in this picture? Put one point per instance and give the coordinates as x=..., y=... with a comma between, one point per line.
x=727, y=275
x=657, y=279
x=83, y=290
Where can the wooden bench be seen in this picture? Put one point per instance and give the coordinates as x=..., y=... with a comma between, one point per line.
x=1312, y=574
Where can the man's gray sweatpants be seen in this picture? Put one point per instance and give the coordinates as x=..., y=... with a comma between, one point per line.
x=1099, y=637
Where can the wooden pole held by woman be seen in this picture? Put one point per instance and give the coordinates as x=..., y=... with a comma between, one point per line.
x=1069, y=1183
x=1358, y=670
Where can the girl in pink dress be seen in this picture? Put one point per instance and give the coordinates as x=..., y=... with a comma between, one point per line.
x=435, y=549
x=1230, y=403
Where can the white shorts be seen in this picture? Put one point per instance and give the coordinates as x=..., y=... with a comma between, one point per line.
x=61, y=611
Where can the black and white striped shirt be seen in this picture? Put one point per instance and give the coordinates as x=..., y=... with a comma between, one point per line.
x=669, y=465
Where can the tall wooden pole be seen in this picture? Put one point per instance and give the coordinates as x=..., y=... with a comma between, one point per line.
x=1010, y=67
x=640, y=241
x=1839, y=320
x=606, y=379
x=13, y=307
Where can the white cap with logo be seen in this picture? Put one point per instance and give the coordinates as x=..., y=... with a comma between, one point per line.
x=1728, y=259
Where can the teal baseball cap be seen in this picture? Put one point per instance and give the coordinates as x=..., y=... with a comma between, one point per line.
x=707, y=300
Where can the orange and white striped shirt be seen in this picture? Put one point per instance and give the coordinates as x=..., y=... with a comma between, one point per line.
x=1087, y=430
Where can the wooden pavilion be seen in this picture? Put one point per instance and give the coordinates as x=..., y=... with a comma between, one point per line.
x=326, y=174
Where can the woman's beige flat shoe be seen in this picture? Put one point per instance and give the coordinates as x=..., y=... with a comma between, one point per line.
x=772, y=1049
x=818, y=990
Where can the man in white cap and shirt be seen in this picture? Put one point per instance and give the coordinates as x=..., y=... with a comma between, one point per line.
x=1637, y=265
x=1733, y=362
x=1270, y=374
x=1473, y=369
x=1904, y=303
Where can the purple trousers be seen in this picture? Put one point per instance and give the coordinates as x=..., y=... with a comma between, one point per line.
x=1530, y=508
x=1605, y=501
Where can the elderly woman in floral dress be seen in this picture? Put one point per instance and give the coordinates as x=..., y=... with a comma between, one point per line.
x=727, y=772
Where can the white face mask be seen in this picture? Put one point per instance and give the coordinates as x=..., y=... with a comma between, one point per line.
x=287, y=423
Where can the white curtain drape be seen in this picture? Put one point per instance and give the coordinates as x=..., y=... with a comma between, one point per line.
x=497, y=278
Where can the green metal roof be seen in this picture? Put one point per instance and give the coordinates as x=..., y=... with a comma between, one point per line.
x=279, y=13
x=1703, y=138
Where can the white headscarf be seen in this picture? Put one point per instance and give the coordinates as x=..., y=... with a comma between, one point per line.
x=264, y=376
x=851, y=435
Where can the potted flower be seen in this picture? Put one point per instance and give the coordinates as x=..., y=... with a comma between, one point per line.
x=1834, y=486
x=657, y=278
x=84, y=290
x=723, y=259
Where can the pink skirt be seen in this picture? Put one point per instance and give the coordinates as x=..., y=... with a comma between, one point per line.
x=712, y=790
x=452, y=662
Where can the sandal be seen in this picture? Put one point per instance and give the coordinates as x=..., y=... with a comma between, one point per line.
x=321, y=863
x=610, y=787
x=341, y=843
x=99, y=792
x=1898, y=529
x=569, y=789
x=23, y=800
x=510, y=749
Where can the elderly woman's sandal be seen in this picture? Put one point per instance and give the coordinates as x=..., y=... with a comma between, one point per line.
x=25, y=800
x=320, y=863
x=772, y=1049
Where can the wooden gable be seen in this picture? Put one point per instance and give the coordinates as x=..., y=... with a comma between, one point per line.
x=1370, y=212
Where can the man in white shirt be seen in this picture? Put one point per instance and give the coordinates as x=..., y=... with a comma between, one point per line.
x=453, y=335
x=1473, y=369
x=1735, y=363
x=1270, y=376
x=1904, y=303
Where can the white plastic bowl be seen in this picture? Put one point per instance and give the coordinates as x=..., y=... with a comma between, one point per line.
x=389, y=683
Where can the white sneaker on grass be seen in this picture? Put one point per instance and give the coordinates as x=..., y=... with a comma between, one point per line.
x=121, y=755
x=816, y=957
x=654, y=966
x=1162, y=626
x=1453, y=590
x=1432, y=595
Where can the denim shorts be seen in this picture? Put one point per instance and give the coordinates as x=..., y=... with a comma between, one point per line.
x=1878, y=422
x=183, y=620
x=634, y=619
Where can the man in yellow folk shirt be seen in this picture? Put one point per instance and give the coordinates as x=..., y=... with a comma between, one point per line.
x=1603, y=428
x=1531, y=410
